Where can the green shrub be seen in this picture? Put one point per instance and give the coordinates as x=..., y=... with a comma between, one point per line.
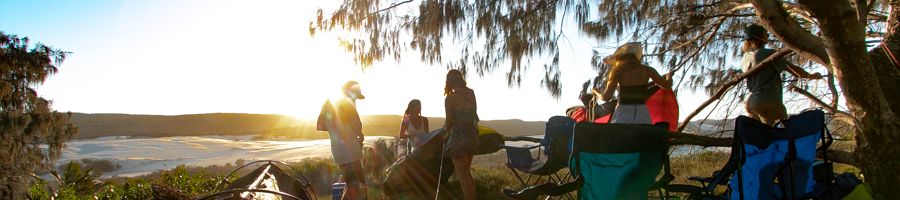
x=38, y=189
x=82, y=181
x=194, y=184
x=320, y=172
x=131, y=189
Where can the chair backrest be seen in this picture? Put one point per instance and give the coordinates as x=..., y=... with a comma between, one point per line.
x=617, y=161
x=786, y=153
x=557, y=140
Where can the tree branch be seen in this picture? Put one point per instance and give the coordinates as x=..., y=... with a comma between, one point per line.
x=392, y=6
x=862, y=10
x=773, y=16
x=835, y=98
x=839, y=156
x=893, y=21
x=679, y=138
x=838, y=114
x=755, y=69
x=705, y=42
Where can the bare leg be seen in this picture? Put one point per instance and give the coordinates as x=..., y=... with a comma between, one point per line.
x=351, y=191
x=354, y=178
x=461, y=167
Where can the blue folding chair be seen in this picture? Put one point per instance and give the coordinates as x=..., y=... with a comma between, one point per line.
x=770, y=162
x=552, y=154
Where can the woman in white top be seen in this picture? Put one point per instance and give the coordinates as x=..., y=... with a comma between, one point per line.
x=413, y=125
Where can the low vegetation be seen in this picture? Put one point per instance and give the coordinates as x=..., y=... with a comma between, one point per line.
x=78, y=181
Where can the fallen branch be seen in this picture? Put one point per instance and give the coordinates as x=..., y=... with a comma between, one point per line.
x=837, y=156
x=719, y=93
x=705, y=141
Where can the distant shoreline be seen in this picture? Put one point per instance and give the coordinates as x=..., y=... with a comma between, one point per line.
x=269, y=126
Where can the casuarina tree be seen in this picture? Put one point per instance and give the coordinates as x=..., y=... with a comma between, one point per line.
x=855, y=41
x=32, y=135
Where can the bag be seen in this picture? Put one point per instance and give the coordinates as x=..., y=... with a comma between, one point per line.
x=325, y=117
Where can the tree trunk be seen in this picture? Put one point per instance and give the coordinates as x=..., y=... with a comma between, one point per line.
x=877, y=153
x=879, y=126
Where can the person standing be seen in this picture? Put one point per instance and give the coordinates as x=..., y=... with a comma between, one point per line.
x=344, y=127
x=765, y=101
x=630, y=78
x=413, y=125
x=460, y=107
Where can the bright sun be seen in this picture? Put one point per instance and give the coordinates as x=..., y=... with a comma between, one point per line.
x=314, y=86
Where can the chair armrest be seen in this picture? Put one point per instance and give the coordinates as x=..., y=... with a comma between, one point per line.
x=529, y=147
x=681, y=188
x=700, y=179
x=523, y=138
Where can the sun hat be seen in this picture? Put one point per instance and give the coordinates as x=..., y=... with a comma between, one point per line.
x=634, y=48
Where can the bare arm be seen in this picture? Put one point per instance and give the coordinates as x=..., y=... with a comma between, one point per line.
x=403, y=127
x=356, y=123
x=659, y=80
x=426, y=124
x=799, y=72
x=448, y=112
x=475, y=106
x=611, y=85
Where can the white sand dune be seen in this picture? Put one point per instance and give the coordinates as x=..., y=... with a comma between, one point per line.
x=138, y=156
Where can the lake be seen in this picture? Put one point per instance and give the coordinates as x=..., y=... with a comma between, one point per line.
x=139, y=156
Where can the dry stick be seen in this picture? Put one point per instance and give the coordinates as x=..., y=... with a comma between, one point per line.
x=392, y=6
x=755, y=69
x=707, y=116
x=838, y=114
x=833, y=88
x=702, y=46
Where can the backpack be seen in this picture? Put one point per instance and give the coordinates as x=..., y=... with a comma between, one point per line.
x=325, y=116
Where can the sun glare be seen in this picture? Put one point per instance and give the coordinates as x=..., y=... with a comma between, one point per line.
x=316, y=85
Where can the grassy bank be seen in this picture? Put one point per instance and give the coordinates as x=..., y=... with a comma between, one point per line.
x=489, y=172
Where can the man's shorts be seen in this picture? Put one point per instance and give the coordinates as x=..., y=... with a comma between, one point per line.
x=768, y=112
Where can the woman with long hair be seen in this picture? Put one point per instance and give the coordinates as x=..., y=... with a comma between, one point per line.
x=631, y=79
x=413, y=125
x=461, y=123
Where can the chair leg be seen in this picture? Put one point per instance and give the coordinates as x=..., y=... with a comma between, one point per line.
x=524, y=184
x=528, y=180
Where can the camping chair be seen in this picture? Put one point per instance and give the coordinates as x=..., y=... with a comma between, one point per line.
x=552, y=154
x=618, y=161
x=770, y=163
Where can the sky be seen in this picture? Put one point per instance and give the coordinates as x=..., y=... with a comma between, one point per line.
x=203, y=56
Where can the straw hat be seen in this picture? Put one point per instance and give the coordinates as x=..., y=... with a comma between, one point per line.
x=627, y=48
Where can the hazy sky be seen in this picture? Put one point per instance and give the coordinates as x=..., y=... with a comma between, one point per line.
x=184, y=57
